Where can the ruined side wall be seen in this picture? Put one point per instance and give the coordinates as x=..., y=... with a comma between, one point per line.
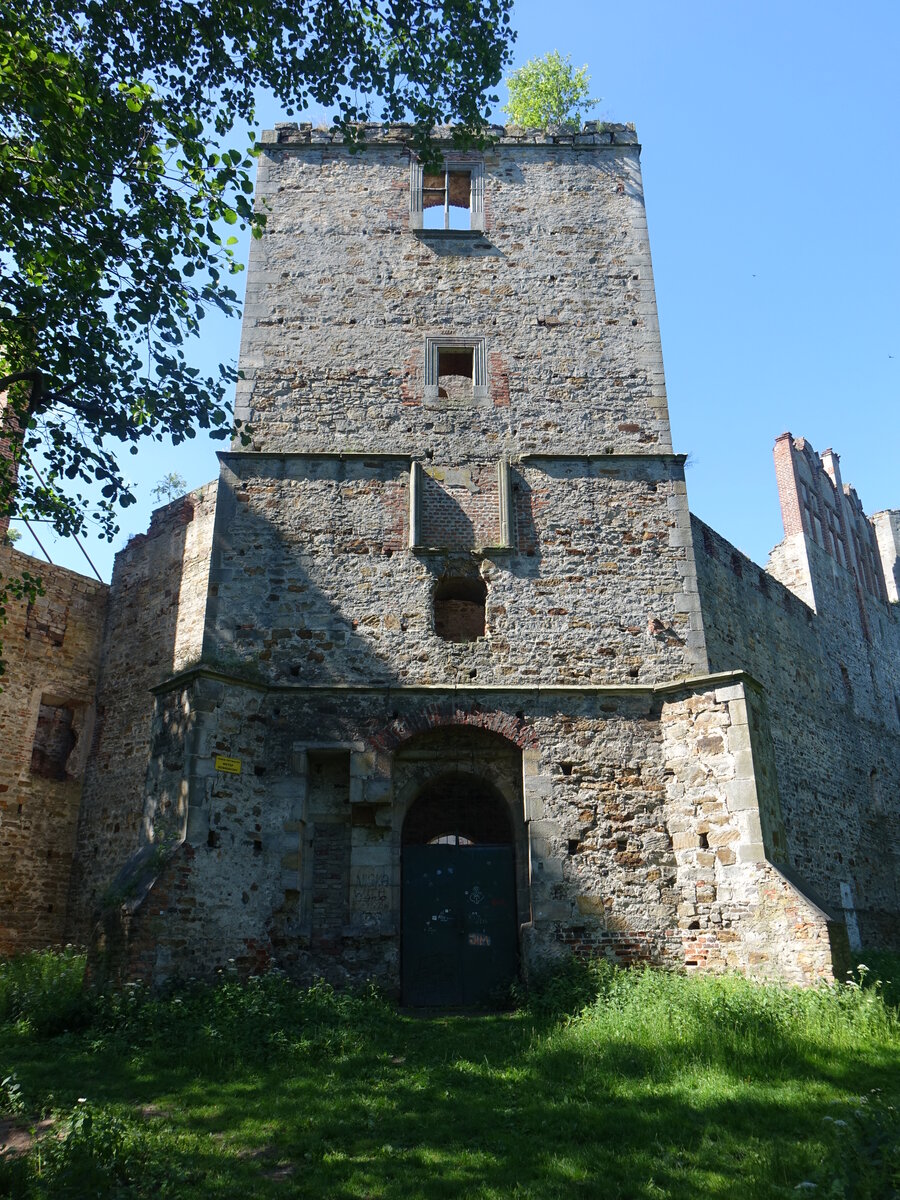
x=155, y=626
x=52, y=653
x=816, y=502
x=832, y=682
x=887, y=533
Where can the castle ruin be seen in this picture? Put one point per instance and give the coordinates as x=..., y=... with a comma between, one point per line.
x=441, y=680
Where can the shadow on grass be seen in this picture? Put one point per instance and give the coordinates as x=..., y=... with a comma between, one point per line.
x=483, y=1112
x=696, y=1101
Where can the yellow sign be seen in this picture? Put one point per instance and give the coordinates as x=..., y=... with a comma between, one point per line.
x=231, y=765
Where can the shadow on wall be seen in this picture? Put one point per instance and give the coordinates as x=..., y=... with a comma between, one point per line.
x=329, y=595
x=524, y=503
x=154, y=622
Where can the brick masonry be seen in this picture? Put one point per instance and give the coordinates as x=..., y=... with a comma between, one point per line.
x=47, y=714
x=276, y=693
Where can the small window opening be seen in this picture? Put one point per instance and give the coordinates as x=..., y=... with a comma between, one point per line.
x=54, y=740
x=574, y=843
x=450, y=839
x=456, y=373
x=566, y=768
x=704, y=841
x=459, y=609
x=447, y=199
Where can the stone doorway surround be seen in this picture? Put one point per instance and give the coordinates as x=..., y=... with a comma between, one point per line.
x=459, y=932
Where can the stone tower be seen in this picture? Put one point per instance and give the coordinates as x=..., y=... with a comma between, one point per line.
x=452, y=715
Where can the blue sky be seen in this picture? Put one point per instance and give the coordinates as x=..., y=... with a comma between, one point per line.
x=772, y=179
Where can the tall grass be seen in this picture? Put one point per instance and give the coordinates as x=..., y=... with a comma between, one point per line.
x=235, y=1025
x=604, y=1083
x=714, y=1019
x=44, y=990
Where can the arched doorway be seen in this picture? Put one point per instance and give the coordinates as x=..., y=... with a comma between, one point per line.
x=459, y=923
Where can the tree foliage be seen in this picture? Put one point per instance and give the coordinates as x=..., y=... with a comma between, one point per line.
x=548, y=91
x=116, y=198
x=169, y=488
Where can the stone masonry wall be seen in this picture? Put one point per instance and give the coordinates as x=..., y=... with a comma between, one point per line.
x=154, y=627
x=481, y=412
x=830, y=675
x=590, y=574
x=643, y=819
x=52, y=654
x=887, y=533
x=341, y=295
x=313, y=580
x=737, y=910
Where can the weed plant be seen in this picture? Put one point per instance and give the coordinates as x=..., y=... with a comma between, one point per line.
x=603, y=1083
x=44, y=990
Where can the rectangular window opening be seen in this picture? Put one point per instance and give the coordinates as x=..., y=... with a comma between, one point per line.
x=455, y=369
x=456, y=372
x=447, y=199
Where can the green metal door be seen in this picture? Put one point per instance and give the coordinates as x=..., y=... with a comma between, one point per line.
x=459, y=924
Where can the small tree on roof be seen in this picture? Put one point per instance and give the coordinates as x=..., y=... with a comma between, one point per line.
x=548, y=91
x=169, y=488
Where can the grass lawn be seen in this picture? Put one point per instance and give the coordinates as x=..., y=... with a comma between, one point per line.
x=604, y=1084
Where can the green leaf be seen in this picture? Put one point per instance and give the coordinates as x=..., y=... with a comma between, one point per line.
x=113, y=191
x=548, y=91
